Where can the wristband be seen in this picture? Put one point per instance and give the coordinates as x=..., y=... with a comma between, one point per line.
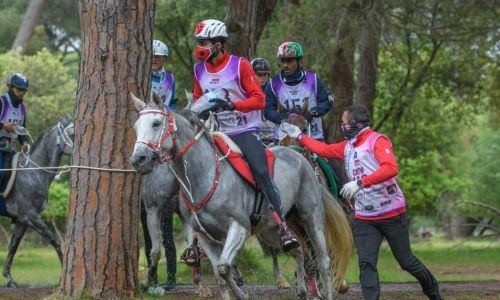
x=299, y=137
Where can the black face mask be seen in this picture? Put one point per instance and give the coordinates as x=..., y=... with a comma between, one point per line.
x=352, y=129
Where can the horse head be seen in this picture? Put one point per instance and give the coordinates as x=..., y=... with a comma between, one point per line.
x=154, y=130
x=66, y=135
x=297, y=116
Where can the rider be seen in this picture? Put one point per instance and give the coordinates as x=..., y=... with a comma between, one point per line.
x=262, y=69
x=162, y=81
x=12, y=116
x=163, y=84
x=232, y=77
x=293, y=86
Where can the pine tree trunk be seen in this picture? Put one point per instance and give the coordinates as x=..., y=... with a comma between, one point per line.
x=27, y=28
x=102, y=250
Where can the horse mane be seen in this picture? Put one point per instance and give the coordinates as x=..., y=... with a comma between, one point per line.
x=39, y=138
x=193, y=119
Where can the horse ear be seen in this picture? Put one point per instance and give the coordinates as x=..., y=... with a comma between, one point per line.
x=281, y=108
x=156, y=99
x=305, y=106
x=189, y=97
x=139, y=104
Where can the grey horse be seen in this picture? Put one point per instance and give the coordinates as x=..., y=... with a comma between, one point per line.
x=29, y=194
x=217, y=202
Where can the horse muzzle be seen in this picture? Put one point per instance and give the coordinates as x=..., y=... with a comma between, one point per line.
x=143, y=159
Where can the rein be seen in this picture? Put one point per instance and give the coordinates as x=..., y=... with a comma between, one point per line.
x=170, y=131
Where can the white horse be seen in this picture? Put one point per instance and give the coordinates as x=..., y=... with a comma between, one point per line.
x=217, y=202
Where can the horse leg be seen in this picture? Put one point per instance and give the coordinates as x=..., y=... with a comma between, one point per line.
x=39, y=226
x=213, y=251
x=235, y=239
x=16, y=237
x=152, y=238
x=170, y=251
x=323, y=260
x=281, y=281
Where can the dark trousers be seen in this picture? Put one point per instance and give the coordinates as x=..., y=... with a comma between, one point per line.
x=167, y=231
x=253, y=150
x=368, y=236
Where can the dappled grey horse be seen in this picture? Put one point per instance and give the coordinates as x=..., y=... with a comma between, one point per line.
x=217, y=202
x=29, y=194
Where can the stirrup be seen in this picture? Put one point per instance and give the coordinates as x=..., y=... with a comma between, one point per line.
x=289, y=241
x=191, y=256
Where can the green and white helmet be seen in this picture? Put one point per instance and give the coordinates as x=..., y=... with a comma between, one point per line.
x=290, y=50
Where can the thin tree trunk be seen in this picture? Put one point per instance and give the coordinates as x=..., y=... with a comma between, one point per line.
x=102, y=250
x=27, y=28
x=342, y=70
x=368, y=56
x=245, y=22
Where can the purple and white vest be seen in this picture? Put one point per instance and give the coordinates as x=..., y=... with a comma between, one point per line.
x=10, y=114
x=292, y=97
x=163, y=85
x=378, y=199
x=226, y=83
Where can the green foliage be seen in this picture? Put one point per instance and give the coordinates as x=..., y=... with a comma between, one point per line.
x=51, y=91
x=57, y=206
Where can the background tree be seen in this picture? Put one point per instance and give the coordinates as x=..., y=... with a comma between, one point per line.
x=101, y=253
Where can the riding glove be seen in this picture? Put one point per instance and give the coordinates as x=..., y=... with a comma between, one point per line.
x=350, y=189
x=290, y=130
x=221, y=105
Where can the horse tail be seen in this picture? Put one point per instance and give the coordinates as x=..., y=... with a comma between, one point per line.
x=338, y=234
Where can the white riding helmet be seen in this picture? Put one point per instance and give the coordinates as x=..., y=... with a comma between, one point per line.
x=159, y=48
x=210, y=29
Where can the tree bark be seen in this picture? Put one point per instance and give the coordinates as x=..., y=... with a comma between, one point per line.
x=245, y=22
x=368, y=56
x=27, y=28
x=101, y=253
x=342, y=70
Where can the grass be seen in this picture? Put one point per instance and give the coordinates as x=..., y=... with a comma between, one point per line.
x=478, y=260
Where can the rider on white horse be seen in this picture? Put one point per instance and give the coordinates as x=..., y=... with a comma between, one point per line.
x=238, y=109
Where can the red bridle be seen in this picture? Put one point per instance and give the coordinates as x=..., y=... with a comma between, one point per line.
x=171, y=154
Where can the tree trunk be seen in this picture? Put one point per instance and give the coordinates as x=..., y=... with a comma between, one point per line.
x=368, y=56
x=101, y=253
x=245, y=22
x=342, y=70
x=28, y=25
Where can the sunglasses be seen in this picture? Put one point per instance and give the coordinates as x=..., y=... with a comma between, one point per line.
x=21, y=89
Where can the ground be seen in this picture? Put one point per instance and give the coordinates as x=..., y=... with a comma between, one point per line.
x=489, y=290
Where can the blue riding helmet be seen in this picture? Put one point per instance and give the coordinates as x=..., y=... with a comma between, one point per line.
x=18, y=80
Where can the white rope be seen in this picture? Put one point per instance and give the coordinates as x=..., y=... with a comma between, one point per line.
x=70, y=167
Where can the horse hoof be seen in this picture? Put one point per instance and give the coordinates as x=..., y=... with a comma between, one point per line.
x=12, y=284
x=343, y=288
x=283, y=284
x=223, y=270
x=204, y=292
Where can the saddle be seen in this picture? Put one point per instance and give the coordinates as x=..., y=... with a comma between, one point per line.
x=236, y=159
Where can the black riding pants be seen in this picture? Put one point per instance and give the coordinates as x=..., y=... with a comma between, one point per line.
x=368, y=236
x=253, y=151
x=167, y=231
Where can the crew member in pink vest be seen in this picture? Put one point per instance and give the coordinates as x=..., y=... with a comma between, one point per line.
x=239, y=108
x=380, y=207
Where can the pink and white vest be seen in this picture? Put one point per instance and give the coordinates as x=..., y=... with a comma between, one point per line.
x=378, y=199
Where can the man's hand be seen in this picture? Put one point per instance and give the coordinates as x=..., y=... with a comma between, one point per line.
x=350, y=189
x=290, y=130
x=25, y=148
x=221, y=105
x=9, y=127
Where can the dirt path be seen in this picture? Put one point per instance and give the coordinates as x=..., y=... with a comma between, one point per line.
x=450, y=290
